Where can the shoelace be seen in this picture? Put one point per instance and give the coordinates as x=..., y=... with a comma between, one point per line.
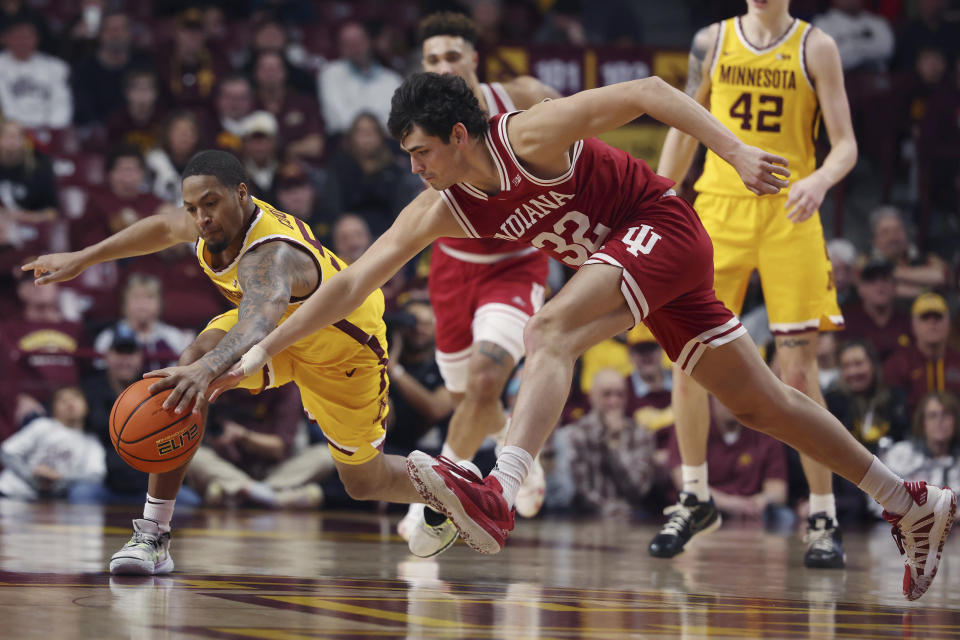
x=820, y=539
x=897, y=537
x=141, y=539
x=919, y=555
x=680, y=517
x=466, y=474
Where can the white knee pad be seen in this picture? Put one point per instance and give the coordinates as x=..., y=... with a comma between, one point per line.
x=498, y=323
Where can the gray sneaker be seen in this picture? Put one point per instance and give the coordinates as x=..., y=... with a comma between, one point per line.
x=147, y=552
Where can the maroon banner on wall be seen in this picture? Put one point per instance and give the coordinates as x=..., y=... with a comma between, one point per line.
x=572, y=69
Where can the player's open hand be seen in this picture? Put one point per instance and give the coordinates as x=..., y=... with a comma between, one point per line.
x=189, y=384
x=805, y=197
x=762, y=173
x=56, y=267
x=225, y=382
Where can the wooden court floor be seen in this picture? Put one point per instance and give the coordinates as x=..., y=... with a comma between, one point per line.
x=249, y=574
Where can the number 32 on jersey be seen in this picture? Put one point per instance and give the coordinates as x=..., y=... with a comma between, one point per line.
x=569, y=238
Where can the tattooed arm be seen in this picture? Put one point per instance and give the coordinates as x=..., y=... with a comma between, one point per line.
x=679, y=148
x=269, y=275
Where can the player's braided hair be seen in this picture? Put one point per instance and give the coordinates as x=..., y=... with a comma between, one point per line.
x=435, y=103
x=448, y=23
x=222, y=165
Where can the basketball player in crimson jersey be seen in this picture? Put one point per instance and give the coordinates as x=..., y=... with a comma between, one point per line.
x=768, y=77
x=540, y=177
x=483, y=292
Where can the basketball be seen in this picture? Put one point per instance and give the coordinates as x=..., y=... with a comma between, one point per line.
x=147, y=436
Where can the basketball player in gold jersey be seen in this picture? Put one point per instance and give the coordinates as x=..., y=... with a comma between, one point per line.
x=768, y=77
x=479, y=330
x=266, y=262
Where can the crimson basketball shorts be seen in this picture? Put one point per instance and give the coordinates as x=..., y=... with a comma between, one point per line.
x=482, y=302
x=667, y=261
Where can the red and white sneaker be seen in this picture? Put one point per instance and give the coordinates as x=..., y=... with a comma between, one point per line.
x=920, y=531
x=475, y=506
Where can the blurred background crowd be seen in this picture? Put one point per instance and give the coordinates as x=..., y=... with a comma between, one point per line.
x=102, y=102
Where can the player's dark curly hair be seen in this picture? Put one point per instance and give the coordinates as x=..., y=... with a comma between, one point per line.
x=447, y=23
x=222, y=165
x=435, y=103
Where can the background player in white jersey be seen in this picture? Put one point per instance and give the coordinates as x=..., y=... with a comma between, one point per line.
x=642, y=254
x=766, y=76
x=482, y=291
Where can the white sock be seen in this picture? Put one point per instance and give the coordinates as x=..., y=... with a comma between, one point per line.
x=160, y=511
x=695, y=481
x=448, y=452
x=823, y=503
x=512, y=467
x=886, y=487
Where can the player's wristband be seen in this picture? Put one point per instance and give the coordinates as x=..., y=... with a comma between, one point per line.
x=254, y=360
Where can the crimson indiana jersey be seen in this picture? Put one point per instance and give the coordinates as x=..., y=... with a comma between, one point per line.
x=569, y=216
x=498, y=102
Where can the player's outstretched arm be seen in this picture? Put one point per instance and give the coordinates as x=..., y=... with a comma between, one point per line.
x=823, y=64
x=543, y=134
x=267, y=275
x=679, y=148
x=526, y=91
x=420, y=223
x=152, y=234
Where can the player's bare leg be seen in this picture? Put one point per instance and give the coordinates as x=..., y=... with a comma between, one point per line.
x=382, y=478
x=479, y=412
x=695, y=512
x=589, y=309
x=589, y=312
x=762, y=402
x=148, y=550
x=921, y=515
x=797, y=358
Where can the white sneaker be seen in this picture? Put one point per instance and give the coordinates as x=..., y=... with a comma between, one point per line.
x=147, y=552
x=409, y=522
x=308, y=496
x=258, y=494
x=920, y=531
x=426, y=541
x=532, y=491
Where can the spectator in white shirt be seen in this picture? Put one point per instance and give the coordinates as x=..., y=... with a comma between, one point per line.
x=865, y=40
x=34, y=86
x=933, y=453
x=49, y=455
x=355, y=83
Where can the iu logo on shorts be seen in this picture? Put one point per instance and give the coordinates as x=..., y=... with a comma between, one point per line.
x=640, y=239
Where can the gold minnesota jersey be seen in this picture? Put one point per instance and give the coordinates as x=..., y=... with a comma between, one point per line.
x=764, y=96
x=331, y=344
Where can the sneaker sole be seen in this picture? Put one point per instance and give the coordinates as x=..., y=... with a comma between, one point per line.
x=942, y=533
x=429, y=484
x=827, y=565
x=130, y=566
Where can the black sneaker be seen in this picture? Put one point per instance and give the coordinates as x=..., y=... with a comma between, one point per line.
x=687, y=518
x=824, y=543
